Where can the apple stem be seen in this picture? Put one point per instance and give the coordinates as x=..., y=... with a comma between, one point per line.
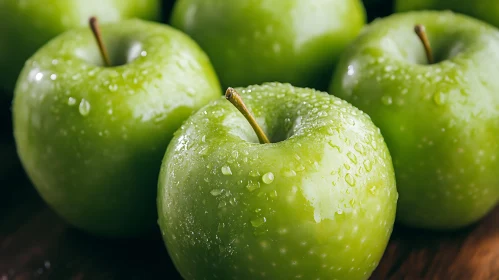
x=94, y=25
x=236, y=100
x=421, y=32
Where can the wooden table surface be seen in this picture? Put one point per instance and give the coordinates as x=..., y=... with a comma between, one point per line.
x=36, y=244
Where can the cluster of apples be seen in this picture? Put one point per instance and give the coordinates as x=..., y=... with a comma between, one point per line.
x=335, y=129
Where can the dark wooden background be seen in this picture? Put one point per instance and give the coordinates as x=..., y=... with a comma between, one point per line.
x=36, y=244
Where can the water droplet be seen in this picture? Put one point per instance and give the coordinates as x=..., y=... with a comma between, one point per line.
x=254, y=173
x=71, y=101
x=233, y=201
x=203, y=151
x=387, y=100
x=331, y=143
x=350, y=179
x=257, y=222
x=222, y=204
x=226, y=170
x=289, y=173
x=113, y=87
x=352, y=202
x=84, y=107
x=235, y=154
x=39, y=76
x=372, y=190
x=368, y=165
x=359, y=148
x=352, y=157
x=253, y=186
x=439, y=98
x=273, y=194
x=268, y=178
x=216, y=192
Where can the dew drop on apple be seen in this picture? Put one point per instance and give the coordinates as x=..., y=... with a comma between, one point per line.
x=350, y=179
x=203, y=151
x=368, y=165
x=222, y=204
x=113, y=87
x=226, y=170
x=359, y=148
x=347, y=166
x=439, y=98
x=254, y=173
x=333, y=145
x=257, y=222
x=387, y=100
x=216, y=192
x=289, y=173
x=352, y=157
x=71, y=101
x=233, y=201
x=252, y=186
x=84, y=107
x=268, y=178
x=235, y=154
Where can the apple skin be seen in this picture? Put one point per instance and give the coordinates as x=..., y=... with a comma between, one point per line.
x=25, y=26
x=252, y=42
x=91, y=138
x=328, y=212
x=485, y=10
x=440, y=121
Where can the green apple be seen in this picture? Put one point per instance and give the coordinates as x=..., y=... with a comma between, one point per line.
x=317, y=203
x=26, y=25
x=440, y=120
x=486, y=10
x=291, y=41
x=91, y=137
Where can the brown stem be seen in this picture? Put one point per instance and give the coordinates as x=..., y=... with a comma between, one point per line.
x=236, y=100
x=94, y=25
x=421, y=32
